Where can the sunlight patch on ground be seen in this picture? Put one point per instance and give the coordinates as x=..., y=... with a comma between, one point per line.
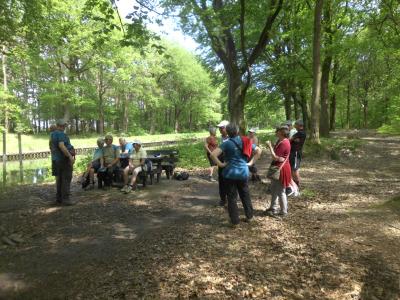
x=122, y=232
x=9, y=283
x=51, y=210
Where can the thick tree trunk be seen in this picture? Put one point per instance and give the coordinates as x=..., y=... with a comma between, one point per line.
x=324, y=120
x=315, y=108
x=236, y=98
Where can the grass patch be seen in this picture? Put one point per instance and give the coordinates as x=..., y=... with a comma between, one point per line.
x=35, y=143
x=308, y=193
x=393, y=204
x=390, y=129
x=331, y=147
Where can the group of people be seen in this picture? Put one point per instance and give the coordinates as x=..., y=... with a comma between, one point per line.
x=235, y=157
x=108, y=160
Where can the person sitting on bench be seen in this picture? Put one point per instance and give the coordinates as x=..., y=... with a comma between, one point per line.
x=109, y=162
x=126, y=150
x=93, y=167
x=136, y=163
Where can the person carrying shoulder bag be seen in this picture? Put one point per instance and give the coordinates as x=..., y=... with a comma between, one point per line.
x=279, y=172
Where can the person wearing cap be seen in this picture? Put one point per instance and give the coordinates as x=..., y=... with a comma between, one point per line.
x=251, y=134
x=280, y=158
x=136, y=163
x=109, y=162
x=236, y=172
x=62, y=153
x=296, y=151
x=210, y=144
x=292, y=130
x=221, y=187
x=93, y=167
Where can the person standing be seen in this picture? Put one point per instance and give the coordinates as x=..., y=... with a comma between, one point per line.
x=236, y=171
x=224, y=137
x=62, y=153
x=254, y=140
x=210, y=144
x=280, y=156
x=296, y=150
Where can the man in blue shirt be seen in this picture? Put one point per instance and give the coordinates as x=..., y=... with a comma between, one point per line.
x=236, y=172
x=62, y=153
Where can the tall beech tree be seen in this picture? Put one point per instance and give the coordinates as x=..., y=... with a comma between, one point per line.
x=237, y=32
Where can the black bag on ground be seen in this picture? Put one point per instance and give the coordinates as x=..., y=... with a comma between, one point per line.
x=181, y=175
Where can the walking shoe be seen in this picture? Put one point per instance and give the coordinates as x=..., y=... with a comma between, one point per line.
x=128, y=189
x=270, y=213
x=124, y=188
x=212, y=179
x=280, y=216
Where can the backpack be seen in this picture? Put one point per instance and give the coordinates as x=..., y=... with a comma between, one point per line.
x=181, y=176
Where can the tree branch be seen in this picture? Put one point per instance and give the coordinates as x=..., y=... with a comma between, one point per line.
x=264, y=37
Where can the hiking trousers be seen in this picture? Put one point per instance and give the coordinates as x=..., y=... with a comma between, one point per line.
x=63, y=180
x=278, y=192
x=234, y=187
x=221, y=187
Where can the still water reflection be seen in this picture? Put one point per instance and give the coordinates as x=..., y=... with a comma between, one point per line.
x=32, y=172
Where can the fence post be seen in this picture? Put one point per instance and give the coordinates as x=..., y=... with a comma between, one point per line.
x=4, y=157
x=21, y=171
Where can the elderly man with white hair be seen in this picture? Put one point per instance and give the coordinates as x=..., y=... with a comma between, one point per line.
x=136, y=163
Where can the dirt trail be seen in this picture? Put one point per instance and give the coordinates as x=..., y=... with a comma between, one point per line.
x=169, y=240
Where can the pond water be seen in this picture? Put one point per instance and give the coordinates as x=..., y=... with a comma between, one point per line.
x=32, y=172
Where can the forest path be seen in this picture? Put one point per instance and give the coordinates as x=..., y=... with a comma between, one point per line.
x=340, y=241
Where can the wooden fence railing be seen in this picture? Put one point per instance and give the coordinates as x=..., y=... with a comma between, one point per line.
x=79, y=151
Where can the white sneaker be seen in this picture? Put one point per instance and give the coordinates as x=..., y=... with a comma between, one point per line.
x=123, y=188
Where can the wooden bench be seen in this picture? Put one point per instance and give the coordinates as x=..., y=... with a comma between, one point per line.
x=161, y=160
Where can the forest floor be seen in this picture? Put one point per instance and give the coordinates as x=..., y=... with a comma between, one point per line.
x=340, y=241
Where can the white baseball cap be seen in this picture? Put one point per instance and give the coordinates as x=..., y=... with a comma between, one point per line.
x=253, y=129
x=223, y=123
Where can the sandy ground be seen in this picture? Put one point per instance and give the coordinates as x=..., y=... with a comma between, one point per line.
x=171, y=241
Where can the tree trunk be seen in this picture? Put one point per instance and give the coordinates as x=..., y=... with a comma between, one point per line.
x=125, y=120
x=152, y=122
x=177, y=113
x=236, y=98
x=332, y=120
x=304, y=108
x=288, y=105
x=315, y=108
x=348, y=107
x=295, y=105
x=324, y=120
x=5, y=86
